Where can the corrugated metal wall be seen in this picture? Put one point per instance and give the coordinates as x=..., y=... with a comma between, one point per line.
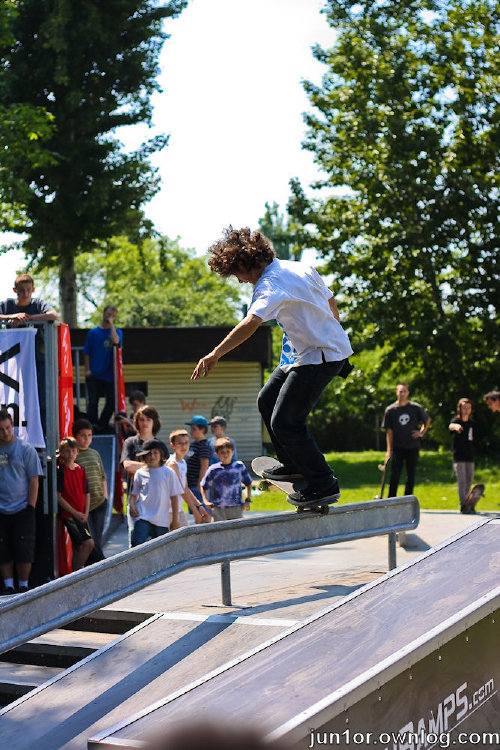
x=231, y=390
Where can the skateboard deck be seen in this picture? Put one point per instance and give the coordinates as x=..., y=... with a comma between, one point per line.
x=472, y=499
x=261, y=463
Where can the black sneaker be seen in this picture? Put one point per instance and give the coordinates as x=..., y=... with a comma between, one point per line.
x=281, y=473
x=7, y=591
x=309, y=496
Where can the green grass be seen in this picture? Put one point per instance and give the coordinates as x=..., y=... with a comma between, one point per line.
x=435, y=486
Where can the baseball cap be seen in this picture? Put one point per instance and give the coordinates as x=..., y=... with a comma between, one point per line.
x=219, y=420
x=150, y=445
x=199, y=420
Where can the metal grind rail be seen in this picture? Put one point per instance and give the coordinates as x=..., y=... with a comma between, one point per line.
x=59, y=602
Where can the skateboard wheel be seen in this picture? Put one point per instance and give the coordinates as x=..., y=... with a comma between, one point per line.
x=324, y=510
x=263, y=485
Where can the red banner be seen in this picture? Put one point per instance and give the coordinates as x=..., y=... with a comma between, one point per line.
x=120, y=383
x=121, y=408
x=65, y=380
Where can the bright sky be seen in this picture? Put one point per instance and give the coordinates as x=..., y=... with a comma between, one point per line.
x=232, y=103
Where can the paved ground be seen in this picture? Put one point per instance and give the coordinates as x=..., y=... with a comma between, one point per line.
x=289, y=585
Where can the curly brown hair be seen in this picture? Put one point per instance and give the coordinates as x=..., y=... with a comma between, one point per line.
x=240, y=249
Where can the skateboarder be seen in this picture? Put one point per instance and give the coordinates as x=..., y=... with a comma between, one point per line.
x=317, y=349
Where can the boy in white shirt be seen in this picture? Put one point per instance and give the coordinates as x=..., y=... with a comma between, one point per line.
x=179, y=442
x=156, y=490
x=317, y=349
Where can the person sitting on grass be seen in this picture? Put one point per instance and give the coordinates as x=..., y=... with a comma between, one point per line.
x=156, y=489
x=73, y=498
x=224, y=480
x=179, y=442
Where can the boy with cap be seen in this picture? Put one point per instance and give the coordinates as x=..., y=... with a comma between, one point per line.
x=198, y=458
x=218, y=426
x=156, y=490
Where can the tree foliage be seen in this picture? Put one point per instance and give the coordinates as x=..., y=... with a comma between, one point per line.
x=282, y=232
x=23, y=129
x=92, y=67
x=405, y=131
x=152, y=282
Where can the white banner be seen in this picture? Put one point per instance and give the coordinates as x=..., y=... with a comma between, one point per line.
x=18, y=383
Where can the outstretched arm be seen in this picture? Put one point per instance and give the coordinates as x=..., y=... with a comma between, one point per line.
x=334, y=308
x=240, y=333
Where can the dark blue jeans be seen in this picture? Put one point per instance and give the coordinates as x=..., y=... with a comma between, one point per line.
x=144, y=530
x=285, y=403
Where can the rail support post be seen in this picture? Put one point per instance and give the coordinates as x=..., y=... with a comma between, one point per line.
x=392, y=550
x=225, y=579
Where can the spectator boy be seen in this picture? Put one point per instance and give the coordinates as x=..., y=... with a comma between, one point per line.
x=218, y=427
x=25, y=308
x=137, y=399
x=156, y=489
x=91, y=461
x=199, y=454
x=406, y=422
x=224, y=480
x=179, y=442
x=28, y=309
x=493, y=400
x=19, y=471
x=99, y=370
x=73, y=498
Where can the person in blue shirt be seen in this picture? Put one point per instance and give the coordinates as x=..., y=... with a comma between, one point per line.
x=99, y=371
x=224, y=481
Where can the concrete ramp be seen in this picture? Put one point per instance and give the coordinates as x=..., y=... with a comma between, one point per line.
x=415, y=651
x=162, y=654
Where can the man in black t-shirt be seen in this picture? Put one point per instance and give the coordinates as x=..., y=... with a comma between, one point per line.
x=406, y=422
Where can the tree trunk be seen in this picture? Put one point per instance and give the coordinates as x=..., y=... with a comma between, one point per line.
x=67, y=290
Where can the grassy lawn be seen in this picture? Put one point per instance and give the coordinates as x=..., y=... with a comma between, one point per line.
x=435, y=485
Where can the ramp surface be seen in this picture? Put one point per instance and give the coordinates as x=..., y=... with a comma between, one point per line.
x=162, y=654
x=375, y=634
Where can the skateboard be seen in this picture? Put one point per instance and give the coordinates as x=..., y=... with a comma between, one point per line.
x=472, y=499
x=383, y=468
x=262, y=463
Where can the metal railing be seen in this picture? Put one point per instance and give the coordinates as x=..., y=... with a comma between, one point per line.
x=59, y=602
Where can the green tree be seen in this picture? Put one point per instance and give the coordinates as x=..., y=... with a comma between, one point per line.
x=280, y=229
x=153, y=282
x=23, y=129
x=92, y=66
x=405, y=132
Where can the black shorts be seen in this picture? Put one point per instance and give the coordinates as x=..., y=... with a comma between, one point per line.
x=17, y=536
x=79, y=532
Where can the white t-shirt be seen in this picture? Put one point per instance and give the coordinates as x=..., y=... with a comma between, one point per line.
x=297, y=297
x=155, y=487
x=181, y=468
